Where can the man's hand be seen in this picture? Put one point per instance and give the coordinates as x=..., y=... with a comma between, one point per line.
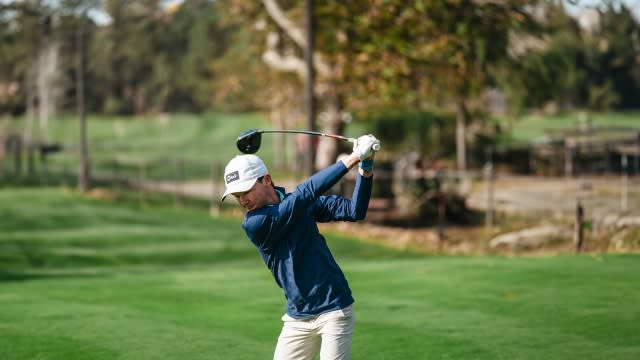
x=365, y=146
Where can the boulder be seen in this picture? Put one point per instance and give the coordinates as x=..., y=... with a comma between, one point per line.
x=532, y=238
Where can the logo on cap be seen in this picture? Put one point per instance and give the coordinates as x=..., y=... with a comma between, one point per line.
x=231, y=177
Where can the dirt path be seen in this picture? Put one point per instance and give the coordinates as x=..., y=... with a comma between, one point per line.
x=545, y=200
x=557, y=197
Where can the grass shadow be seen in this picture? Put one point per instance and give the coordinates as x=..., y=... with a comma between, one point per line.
x=22, y=276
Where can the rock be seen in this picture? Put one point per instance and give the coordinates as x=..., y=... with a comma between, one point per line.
x=532, y=238
x=628, y=221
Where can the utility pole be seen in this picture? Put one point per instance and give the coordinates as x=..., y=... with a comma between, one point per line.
x=309, y=85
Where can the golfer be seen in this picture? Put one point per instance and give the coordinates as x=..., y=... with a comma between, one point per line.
x=319, y=313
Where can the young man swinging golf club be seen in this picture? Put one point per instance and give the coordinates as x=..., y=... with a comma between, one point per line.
x=319, y=312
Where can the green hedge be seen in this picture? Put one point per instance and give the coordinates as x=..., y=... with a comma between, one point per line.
x=426, y=132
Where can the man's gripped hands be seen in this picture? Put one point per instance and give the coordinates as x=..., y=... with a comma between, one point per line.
x=365, y=146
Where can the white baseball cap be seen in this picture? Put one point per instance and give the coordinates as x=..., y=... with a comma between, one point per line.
x=242, y=172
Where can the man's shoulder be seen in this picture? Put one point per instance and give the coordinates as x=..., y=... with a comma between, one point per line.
x=258, y=217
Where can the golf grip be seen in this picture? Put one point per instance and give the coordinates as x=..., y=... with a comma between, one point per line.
x=376, y=147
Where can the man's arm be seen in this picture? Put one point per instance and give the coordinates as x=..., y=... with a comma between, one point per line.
x=352, y=160
x=338, y=208
x=354, y=209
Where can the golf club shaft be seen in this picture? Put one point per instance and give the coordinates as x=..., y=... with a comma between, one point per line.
x=339, y=137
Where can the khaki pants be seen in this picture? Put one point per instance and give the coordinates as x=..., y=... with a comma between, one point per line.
x=332, y=332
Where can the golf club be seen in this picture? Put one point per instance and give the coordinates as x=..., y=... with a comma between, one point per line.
x=249, y=141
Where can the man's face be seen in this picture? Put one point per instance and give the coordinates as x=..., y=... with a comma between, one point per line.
x=257, y=196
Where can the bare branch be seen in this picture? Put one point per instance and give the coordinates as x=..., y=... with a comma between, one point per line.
x=294, y=32
x=280, y=62
x=321, y=66
x=289, y=63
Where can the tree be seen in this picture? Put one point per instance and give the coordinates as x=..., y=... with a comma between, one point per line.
x=31, y=58
x=546, y=69
x=473, y=35
x=611, y=60
x=78, y=24
x=149, y=58
x=280, y=56
x=21, y=28
x=392, y=53
x=124, y=54
x=189, y=45
x=593, y=67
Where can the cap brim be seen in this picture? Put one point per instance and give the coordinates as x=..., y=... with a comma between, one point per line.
x=239, y=187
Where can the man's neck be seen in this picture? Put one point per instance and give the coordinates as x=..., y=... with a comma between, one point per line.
x=274, y=197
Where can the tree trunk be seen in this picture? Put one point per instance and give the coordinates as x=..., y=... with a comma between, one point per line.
x=30, y=116
x=279, y=145
x=461, y=144
x=309, y=96
x=331, y=122
x=83, y=171
x=284, y=60
x=48, y=85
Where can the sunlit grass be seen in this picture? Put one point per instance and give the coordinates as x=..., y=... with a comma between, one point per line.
x=532, y=127
x=82, y=278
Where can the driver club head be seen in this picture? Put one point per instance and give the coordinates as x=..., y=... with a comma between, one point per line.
x=249, y=141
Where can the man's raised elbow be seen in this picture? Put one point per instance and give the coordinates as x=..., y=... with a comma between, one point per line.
x=360, y=215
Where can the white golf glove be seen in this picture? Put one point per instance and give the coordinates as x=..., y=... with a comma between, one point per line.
x=365, y=146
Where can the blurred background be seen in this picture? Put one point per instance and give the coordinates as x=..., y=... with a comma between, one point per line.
x=505, y=217
x=485, y=108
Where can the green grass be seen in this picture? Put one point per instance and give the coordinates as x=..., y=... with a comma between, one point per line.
x=199, y=136
x=89, y=279
x=532, y=127
x=171, y=147
x=186, y=146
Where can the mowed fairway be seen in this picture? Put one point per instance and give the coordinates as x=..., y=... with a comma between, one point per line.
x=89, y=279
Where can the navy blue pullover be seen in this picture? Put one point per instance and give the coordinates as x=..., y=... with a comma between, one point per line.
x=286, y=235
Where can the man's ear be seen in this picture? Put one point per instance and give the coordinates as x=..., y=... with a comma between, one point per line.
x=268, y=180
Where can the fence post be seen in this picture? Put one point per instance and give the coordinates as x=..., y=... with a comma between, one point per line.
x=624, y=193
x=115, y=177
x=607, y=158
x=568, y=160
x=142, y=170
x=442, y=212
x=214, y=208
x=578, y=233
x=66, y=175
x=2, y=156
x=31, y=166
x=636, y=158
x=488, y=175
x=16, y=148
x=178, y=178
x=532, y=160
x=44, y=170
